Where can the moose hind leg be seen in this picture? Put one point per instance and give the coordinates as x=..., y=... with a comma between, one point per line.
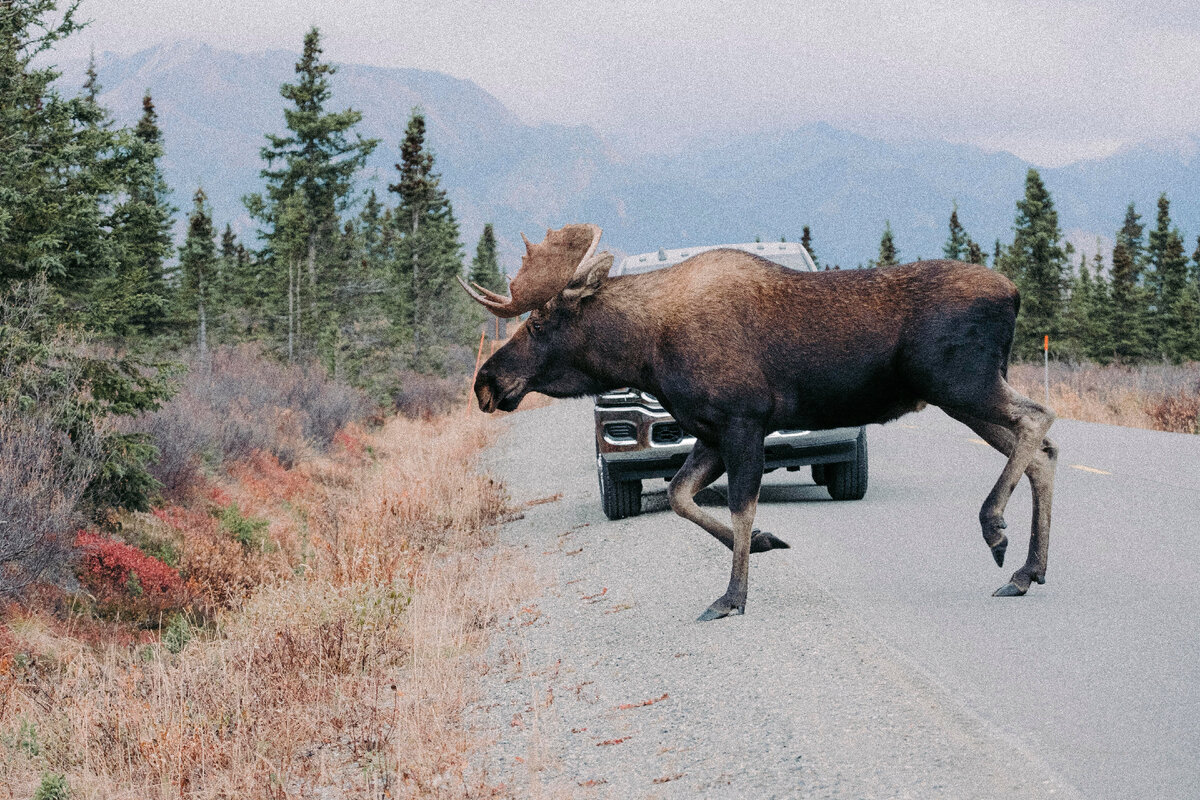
x=1017, y=429
x=1041, y=480
x=702, y=467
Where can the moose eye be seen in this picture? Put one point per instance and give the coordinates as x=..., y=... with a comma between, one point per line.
x=535, y=325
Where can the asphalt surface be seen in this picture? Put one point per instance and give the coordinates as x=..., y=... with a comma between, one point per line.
x=872, y=661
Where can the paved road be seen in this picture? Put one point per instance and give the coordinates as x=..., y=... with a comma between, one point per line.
x=872, y=661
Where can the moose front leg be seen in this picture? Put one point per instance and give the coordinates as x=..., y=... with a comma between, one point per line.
x=702, y=467
x=742, y=452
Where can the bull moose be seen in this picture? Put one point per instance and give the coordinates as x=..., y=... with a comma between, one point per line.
x=735, y=346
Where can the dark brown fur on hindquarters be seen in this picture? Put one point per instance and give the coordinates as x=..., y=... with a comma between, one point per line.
x=735, y=346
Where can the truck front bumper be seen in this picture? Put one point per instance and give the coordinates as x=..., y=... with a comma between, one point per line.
x=641, y=441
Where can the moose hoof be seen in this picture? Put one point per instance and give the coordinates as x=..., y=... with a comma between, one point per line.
x=998, y=550
x=761, y=541
x=1009, y=589
x=721, y=608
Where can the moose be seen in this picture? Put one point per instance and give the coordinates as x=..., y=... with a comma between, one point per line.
x=735, y=346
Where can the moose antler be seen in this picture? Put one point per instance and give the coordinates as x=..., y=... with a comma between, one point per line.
x=546, y=269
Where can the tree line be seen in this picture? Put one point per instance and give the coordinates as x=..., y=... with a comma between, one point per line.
x=339, y=275
x=1143, y=305
x=100, y=305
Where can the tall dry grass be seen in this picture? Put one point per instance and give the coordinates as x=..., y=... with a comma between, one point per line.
x=1157, y=397
x=343, y=674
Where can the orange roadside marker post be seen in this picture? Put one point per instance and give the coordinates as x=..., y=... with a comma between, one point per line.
x=478, y=356
x=1046, y=366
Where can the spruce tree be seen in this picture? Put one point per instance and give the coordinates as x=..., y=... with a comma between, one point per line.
x=428, y=256
x=1181, y=342
x=1194, y=270
x=1166, y=281
x=1126, y=319
x=1132, y=235
x=1036, y=261
x=1097, y=341
x=310, y=179
x=887, y=247
x=956, y=246
x=806, y=242
x=198, y=266
x=975, y=253
x=141, y=222
x=59, y=179
x=51, y=179
x=485, y=267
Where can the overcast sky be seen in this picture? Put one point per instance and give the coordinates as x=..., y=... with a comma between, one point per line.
x=1051, y=81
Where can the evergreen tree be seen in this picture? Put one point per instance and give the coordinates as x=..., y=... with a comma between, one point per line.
x=1097, y=342
x=1132, y=235
x=1166, y=281
x=59, y=179
x=1036, y=261
x=1074, y=319
x=1181, y=342
x=51, y=181
x=485, y=267
x=309, y=174
x=1194, y=274
x=141, y=222
x=198, y=266
x=975, y=253
x=887, y=247
x=806, y=242
x=956, y=247
x=428, y=257
x=1126, y=321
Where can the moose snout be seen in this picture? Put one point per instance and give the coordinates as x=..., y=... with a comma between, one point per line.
x=486, y=391
x=496, y=392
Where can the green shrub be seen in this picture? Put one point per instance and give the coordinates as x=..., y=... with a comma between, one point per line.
x=178, y=634
x=249, y=532
x=52, y=787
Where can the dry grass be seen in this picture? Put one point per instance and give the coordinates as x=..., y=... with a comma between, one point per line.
x=337, y=656
x=1157, y=397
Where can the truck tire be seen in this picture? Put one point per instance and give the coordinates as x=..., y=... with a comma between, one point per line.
x=620, y=498
x=847, y=480
x=819, y=477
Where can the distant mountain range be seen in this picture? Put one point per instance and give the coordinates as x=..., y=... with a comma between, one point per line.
x=215, y=107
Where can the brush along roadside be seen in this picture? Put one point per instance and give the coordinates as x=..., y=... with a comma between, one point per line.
x=337, y=662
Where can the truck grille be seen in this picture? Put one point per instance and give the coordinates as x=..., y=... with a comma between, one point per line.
x=620, y=432
x=666, y=433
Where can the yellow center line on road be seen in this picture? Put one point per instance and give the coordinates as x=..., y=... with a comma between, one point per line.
x=1090, y=469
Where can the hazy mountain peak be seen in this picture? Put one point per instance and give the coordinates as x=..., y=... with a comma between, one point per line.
x=215, y=106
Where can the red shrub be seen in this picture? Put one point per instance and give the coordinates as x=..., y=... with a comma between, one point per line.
x=124, y=579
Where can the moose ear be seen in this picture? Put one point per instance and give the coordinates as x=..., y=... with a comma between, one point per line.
x=587, y=278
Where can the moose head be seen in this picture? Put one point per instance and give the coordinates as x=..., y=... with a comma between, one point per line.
x=556, y=277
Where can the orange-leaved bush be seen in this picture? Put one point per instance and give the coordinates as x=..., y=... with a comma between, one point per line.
x=123, y=579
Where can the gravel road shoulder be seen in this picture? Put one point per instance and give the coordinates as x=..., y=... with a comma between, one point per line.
x=604, y=686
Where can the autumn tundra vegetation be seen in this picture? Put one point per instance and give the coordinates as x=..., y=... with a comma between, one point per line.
x=246, y=549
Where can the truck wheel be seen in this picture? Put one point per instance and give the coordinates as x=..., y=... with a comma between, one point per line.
x=848, y=479
x=819, y=477
x=619, y=498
